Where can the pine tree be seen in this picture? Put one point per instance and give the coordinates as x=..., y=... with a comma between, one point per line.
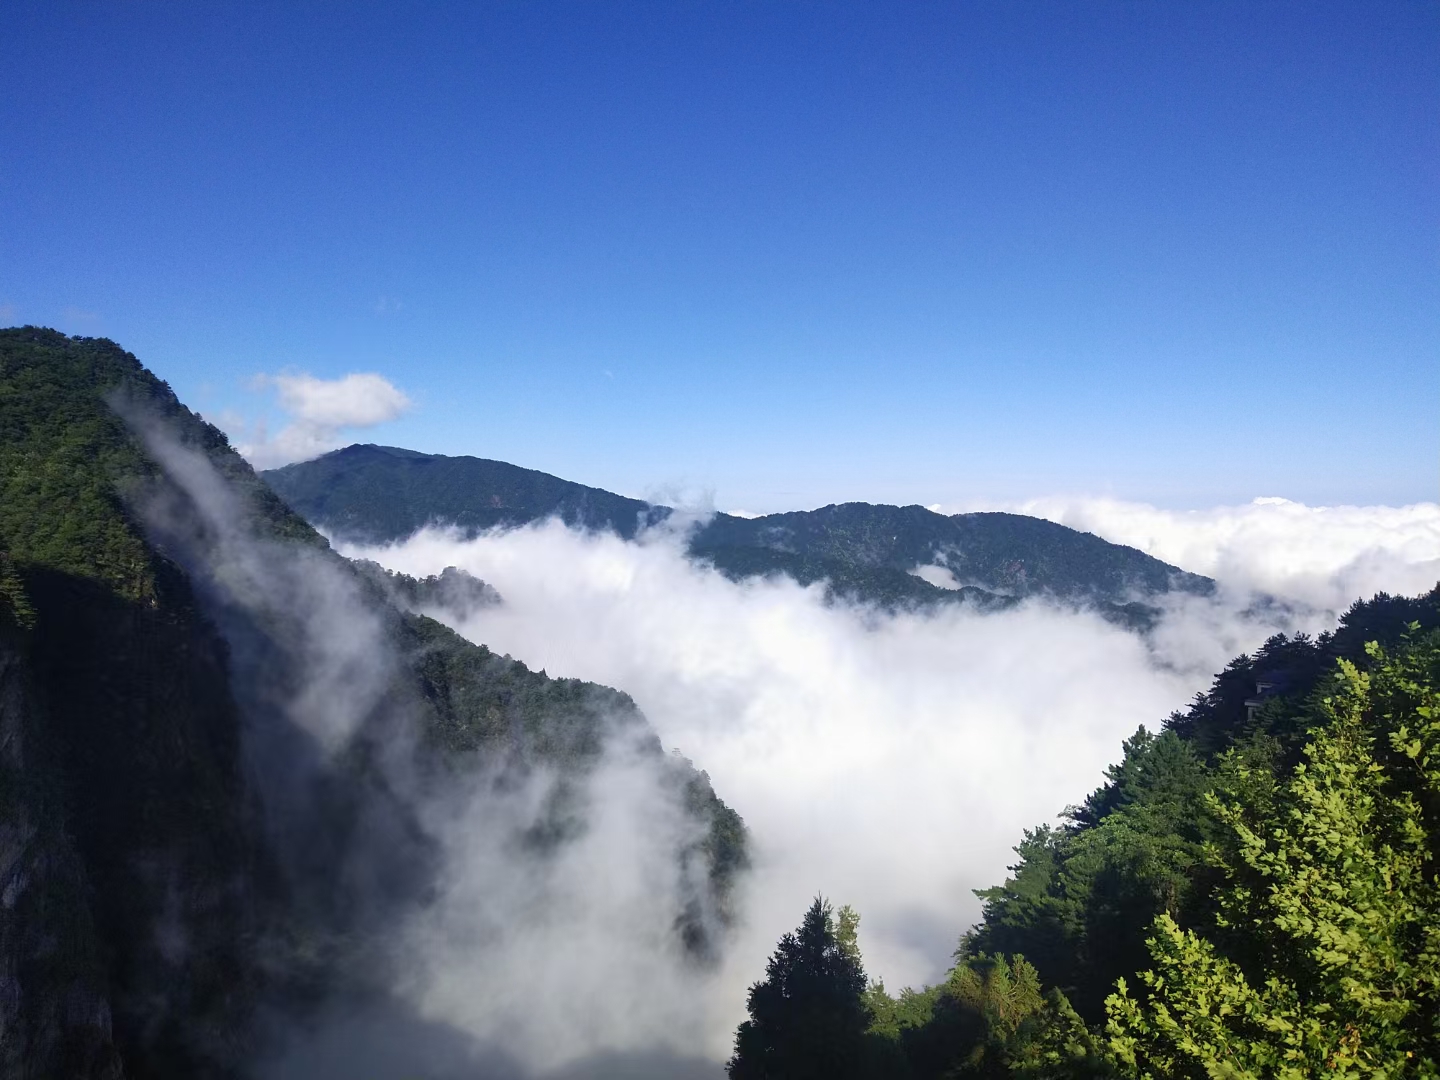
x=807, y=1017
x=1330, y=960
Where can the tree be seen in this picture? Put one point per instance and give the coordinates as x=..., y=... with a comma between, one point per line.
x=807, y=1017
x=1328, y=960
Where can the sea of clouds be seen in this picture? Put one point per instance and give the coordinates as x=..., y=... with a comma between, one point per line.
x=891, y=761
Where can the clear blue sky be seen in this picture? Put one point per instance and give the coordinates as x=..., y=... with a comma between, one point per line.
x=793, y=253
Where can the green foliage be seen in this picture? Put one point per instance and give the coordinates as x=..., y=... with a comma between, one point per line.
x=1081, y=898
x=61, y=453
x=451, y=590
x=68, y=461
x=807, y=1017
x=1079, y=894
x=1330, y=908
x=15, y=606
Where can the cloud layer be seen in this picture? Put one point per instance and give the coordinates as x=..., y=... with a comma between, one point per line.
x=889, y=762
x=319, y=410
x=892, y=762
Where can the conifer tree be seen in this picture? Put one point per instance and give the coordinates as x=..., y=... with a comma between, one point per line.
x=1329, y=963
x=807, y=1017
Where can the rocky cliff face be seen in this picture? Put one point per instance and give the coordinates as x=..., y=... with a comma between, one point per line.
x=55, y=1014
x=221, y=744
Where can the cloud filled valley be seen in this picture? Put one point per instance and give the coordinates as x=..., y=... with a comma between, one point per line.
x=891, y=761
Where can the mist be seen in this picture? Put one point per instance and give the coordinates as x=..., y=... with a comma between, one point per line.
x=890, y=761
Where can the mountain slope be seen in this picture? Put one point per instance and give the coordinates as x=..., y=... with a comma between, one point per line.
x=381, y=494
x=221, y=745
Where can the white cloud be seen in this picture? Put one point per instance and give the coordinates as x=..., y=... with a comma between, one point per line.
x=320, y=409
x=355, y=400
x=517, y=956
x=890, y=762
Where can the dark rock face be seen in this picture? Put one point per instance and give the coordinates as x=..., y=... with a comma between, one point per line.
x=55, y=1015
x=146, y=740
x=131, y=863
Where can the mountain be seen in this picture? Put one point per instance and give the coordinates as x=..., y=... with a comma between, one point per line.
x=227, y=754
x=378, y=494
x=1007, y=555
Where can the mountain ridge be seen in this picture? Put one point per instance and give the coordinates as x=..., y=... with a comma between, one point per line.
x=863, y=551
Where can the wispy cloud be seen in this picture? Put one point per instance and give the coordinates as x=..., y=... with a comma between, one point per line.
x=319, y=411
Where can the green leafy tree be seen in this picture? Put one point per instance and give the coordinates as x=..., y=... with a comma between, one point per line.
x=1326, y=959
x=807, y=1017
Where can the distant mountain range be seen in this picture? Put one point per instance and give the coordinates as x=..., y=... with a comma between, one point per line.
x=865, y=552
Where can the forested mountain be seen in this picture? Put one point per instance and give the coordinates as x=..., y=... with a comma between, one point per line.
x=871, y=550
x=377, y=494
x=218, y=738
x=1253, y=892
x=865, y=552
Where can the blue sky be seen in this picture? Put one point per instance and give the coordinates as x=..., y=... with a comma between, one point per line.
x=787, y=253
